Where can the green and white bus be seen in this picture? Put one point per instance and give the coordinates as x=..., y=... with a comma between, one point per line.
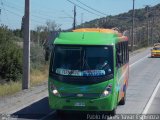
x=88, y=70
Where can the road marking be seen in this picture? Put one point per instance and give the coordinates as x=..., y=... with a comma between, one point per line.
x=48, y=115
x=151, y=99
x=154, y=92
x=139, y=60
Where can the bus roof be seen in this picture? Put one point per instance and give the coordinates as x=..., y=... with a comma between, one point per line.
x=90, y=36
x=96, y=30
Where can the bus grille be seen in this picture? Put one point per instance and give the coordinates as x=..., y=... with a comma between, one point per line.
x=77, y=108
x=85, y=95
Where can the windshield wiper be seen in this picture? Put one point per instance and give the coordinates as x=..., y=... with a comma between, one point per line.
x=71, y=71
x=85, y=62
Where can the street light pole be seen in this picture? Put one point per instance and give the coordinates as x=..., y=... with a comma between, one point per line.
x=82, y=20
x=133, y=15
x=26, y=47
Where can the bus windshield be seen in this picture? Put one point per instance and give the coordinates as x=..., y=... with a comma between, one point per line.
x=82, y=60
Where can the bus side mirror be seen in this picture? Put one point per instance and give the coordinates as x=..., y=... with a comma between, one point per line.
x=46, y=56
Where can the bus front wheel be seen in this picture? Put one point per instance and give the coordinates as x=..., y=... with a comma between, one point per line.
x=113, y=112
x=60, y=112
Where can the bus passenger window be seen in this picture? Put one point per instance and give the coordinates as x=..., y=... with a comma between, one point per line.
x=118, y=56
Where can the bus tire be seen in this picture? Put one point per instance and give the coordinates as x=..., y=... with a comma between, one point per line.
x=113, y=112
x=123, y=100
x=60, y=112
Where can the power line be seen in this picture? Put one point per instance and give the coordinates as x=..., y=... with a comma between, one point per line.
x=39, y=12
x=83, y=8
x=16, y=14
x=19, y=9
x=92, y=8
x=33, y=20
x=13, y=13
x=9, y=6
x=22, y=8
x=9, y=2
x=5, y=12
x=69, y=16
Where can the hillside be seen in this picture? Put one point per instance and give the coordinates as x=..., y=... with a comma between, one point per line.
x=145, y=24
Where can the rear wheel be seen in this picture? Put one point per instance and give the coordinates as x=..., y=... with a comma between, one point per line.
x=123, y=100
x=60, y=112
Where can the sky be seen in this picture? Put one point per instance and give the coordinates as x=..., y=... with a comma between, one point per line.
x=61, y=11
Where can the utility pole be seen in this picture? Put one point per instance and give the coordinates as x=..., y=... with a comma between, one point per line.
x=74, y=19
x=133, y=15
x=152, y=26
x=0, y=10
x=26, y=47
x=82, y=20
x=147, y=7
x=0, y=14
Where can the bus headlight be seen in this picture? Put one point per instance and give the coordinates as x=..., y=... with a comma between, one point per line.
x=107, y=91
x=54, y=90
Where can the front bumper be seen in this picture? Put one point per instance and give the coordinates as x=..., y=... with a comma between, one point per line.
x=155, y=55
x=81, y=104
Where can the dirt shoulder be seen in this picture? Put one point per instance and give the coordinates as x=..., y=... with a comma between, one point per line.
x=12, y=103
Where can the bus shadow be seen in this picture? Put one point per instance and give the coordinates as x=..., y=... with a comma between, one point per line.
x=34, y=111
x=40, y=109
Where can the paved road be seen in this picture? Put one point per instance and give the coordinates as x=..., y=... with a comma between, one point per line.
x=144, y=77
x=154, y=109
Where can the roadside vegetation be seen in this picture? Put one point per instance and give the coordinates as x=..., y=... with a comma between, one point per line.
x=10, y=88
x=10, y=57
x=11, y=49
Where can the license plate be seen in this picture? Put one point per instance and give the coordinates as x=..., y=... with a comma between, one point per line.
x=80, y=104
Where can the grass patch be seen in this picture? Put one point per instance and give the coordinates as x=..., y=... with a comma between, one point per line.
x=39, y=76
x=10, y=88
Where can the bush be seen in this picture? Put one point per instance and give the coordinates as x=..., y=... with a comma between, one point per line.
x=10, y=56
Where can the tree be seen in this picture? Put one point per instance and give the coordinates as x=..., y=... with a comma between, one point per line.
x=44, y=34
